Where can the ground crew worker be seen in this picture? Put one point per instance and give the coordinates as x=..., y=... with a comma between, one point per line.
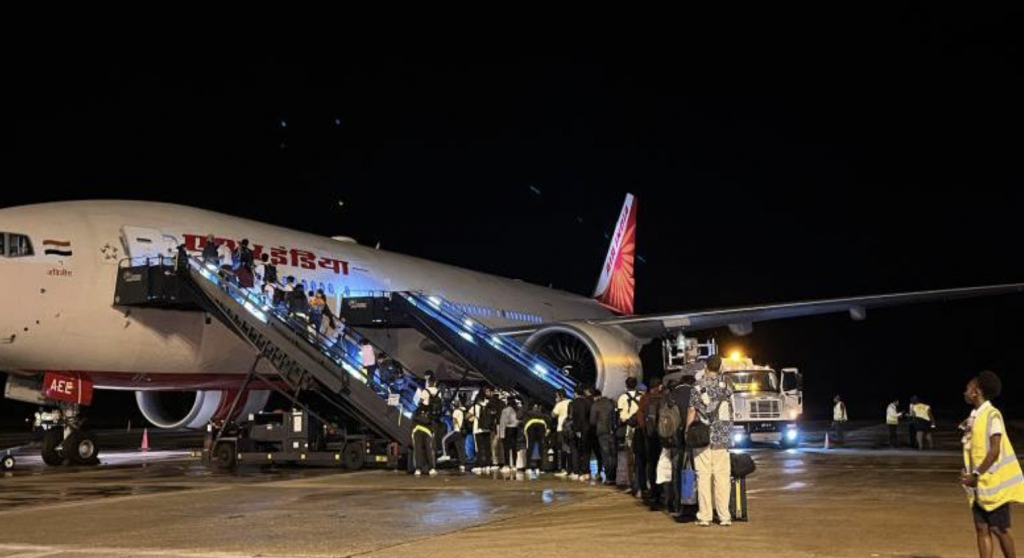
x=992, y=474
x=892, y=422
x=924, y=423
x=423, y=442
x=839, y=420
x=536, y=430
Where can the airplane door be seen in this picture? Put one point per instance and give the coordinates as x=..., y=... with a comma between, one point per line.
x=141, y=243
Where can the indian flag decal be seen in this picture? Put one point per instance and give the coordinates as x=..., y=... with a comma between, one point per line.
x=57, y=248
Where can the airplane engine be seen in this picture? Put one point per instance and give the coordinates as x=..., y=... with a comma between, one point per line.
x=195, y=409
x=592, y=354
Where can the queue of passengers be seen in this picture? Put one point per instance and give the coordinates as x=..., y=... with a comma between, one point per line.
x=649, y=443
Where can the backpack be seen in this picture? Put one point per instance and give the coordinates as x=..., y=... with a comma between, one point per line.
x=698, y=435
x=670, y=420
x=630, y=401
x=485, y=420
x=741, y=465
x=651, y=417
x=435, y=407
x=568, y=428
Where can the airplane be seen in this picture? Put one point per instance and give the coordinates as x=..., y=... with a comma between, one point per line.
x=60, y=331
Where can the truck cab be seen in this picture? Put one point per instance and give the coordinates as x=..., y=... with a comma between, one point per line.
x=767, y=404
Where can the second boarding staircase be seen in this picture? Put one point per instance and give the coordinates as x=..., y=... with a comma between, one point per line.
x=503, y=361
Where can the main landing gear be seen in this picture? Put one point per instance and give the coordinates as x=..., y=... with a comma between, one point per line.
x=67, y=442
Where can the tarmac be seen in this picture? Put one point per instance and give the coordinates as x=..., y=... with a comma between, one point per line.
x=861, y=502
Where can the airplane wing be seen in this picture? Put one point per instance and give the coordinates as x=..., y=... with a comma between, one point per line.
x=740, y=320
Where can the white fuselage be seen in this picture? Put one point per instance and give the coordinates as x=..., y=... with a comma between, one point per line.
x=58, y=313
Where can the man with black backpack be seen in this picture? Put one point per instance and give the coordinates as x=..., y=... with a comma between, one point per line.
x=709, y=431
x=679, y=394
x=648, y=421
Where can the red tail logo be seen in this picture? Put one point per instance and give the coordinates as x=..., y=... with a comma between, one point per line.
x=617, y=286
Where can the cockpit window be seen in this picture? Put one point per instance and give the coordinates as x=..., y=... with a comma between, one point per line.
x=14, y=245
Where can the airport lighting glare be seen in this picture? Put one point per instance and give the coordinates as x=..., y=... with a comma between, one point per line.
x=737, y=438
x=736, y=355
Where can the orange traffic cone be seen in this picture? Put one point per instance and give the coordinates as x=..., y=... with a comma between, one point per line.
x=145, y=440
x=826, y=440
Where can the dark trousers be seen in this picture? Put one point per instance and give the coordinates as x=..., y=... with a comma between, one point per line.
x=893, y=439
x=913, y=435
x=653, y=455
x=423, y=450
x=583, y=451
x=609, y=456
x=455, y=441
x=536, y=448
x=840, y=429
x=640, y=483
x=482, y=441
x=595, y=448
x=563, y=453
x=510, y=445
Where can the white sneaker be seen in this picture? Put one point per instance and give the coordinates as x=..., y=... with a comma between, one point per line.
x=584, y=478
x=536, y=472
x=574, y=477
x=520, y=477
x=444, y=459
x=419, y=473
x=505, y=470
x=562, y=474
x=433, y=472
x=725, y=523
x=462, y=468
x=477, y=471
x=703, y=524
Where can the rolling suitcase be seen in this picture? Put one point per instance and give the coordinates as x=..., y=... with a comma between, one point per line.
x=738, y=499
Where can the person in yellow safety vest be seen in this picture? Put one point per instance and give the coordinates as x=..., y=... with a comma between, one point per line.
x=924, y=423
x=892, y=422
x=992, y=474
x=536, y=429
x=839, y=420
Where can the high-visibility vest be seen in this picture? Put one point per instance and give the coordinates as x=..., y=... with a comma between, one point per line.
x=839, y=412
x=423, y=429
x=921, y=411
x=892, y=416
x=536, y=422
x=1003, y=482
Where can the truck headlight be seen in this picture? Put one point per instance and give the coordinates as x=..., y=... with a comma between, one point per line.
x=791, y=434
x=737, y=438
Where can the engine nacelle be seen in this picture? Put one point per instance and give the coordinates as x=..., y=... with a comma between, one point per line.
x=592, y=354
x=194, y=410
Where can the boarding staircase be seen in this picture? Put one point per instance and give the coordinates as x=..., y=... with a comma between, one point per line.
x=307, y=362
x=501, y=360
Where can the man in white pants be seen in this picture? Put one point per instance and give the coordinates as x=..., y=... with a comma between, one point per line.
x=711, y=403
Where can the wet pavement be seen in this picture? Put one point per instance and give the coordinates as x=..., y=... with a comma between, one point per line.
x=808, y=502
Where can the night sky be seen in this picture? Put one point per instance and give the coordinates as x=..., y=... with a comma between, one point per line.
x=867, y=153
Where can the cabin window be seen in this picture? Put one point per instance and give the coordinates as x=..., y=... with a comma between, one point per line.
x=14, y=245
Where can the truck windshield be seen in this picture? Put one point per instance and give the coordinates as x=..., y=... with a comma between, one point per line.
x=753, y=381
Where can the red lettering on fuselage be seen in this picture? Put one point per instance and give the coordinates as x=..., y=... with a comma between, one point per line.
x=279, y=255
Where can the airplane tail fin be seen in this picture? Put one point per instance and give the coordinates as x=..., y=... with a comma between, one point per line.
x=616, y=288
